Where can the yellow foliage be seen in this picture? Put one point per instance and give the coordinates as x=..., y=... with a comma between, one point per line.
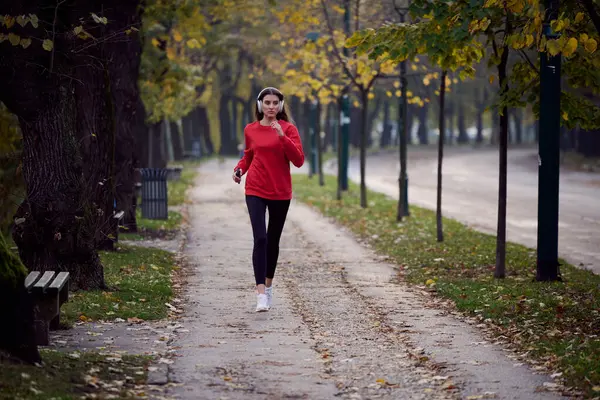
x=570, y=47
x=591, y=45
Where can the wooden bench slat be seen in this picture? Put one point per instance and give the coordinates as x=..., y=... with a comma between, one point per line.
x=31, y=279
x=59, y=281
x=40, y=286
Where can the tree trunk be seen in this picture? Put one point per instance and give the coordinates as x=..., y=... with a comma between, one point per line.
x=55, y=232
x=320, y=146
x=518, y=120
x=228, y=145
x=438, y=213
x=95, y=129
x=423, y=131
x=371, y=121
x=500, y=270
x=130, y=118
x=355, y=129
x=386, y=134
x=450, y=122
x=156, y=158
x=463, y=137
x=409, y=124
x=17, y=337
x=204, y=130
x=187, y=128
x=480, y=111
x=495, y=127
x=363, y=148
x=176, y=141
x=327, y=140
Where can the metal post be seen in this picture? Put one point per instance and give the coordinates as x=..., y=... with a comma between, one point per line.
x=313, y=137
x=345, y=113
x=403, y=134
x=549, y=157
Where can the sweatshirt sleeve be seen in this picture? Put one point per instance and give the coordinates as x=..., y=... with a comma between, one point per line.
x=244, y=163
x=292, y=146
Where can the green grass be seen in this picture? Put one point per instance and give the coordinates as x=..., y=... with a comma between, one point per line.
x=157, y=225
x=176, y=189
x=557, y=323
x=72, y=376
x=140, y=284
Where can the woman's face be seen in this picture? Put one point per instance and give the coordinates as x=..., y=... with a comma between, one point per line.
x=270, y=105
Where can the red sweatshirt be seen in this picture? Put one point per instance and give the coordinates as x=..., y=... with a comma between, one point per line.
x=267, y=160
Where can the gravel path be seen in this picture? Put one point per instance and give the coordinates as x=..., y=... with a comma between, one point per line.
x=339, y=328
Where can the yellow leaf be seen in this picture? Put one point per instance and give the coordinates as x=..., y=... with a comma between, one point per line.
x=583, y=38
x=177, y=36
x=14, y=39
x=22, y=20
x=553, y=47
x=398, y=93
x=25, y=42
x=34, y=20
x=388, y=93
x=492, y=77
x=396, y=84
x=9, y=21
x=356, y=103
x=579, y=17
x=382, y=381
x=591, y=45
x=429, y=282
x=529, y=40
x=570, y=47
x=596, y=388
x=413, y=67
x=48, y=44
x=371, y=96
x=77, y=30
x=565, y=115
x=155, y=42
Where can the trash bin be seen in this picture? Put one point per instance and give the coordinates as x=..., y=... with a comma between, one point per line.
x=174, y=172
x=154, y=193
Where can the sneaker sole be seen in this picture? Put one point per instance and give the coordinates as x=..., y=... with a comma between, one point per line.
x=261, y=310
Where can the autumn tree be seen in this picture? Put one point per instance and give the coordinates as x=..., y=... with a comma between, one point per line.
x=50, y=225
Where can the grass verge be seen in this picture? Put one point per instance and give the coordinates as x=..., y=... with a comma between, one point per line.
x=554, y=324
x=176, y=189
x=140, y=282
x=75, y=376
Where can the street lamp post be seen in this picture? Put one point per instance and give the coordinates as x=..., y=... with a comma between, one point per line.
x=344, y=115
x=549, y=157
x=403, y=210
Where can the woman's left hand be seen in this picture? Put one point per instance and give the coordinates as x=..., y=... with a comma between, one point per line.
x=275, y=125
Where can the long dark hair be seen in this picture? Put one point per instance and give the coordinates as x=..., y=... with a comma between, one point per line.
x=284, y=115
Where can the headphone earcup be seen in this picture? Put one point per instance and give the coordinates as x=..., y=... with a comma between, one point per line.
x=259, y=106
x=281, y=106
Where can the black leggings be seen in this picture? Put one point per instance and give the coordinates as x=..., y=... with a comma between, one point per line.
x=266, y=241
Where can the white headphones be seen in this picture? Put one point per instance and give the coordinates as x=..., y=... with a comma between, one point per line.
x=259, y=102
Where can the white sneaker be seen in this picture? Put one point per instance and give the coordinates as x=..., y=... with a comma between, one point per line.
x=269, y=293
x=261, y=303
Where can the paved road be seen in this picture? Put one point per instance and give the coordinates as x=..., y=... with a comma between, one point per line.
x=471, y=194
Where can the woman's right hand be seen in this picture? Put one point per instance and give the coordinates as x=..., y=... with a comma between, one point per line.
x=237, y=176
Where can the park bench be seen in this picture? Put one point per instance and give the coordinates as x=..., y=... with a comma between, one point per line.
x=48, y=291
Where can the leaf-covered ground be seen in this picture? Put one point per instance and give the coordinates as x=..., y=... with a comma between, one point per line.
x=140, y=284
x=76, y=375
x=556, y=324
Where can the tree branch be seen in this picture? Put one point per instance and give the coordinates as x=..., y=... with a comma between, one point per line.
x=591, y=10
x=526, y=58
x=336, y=49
